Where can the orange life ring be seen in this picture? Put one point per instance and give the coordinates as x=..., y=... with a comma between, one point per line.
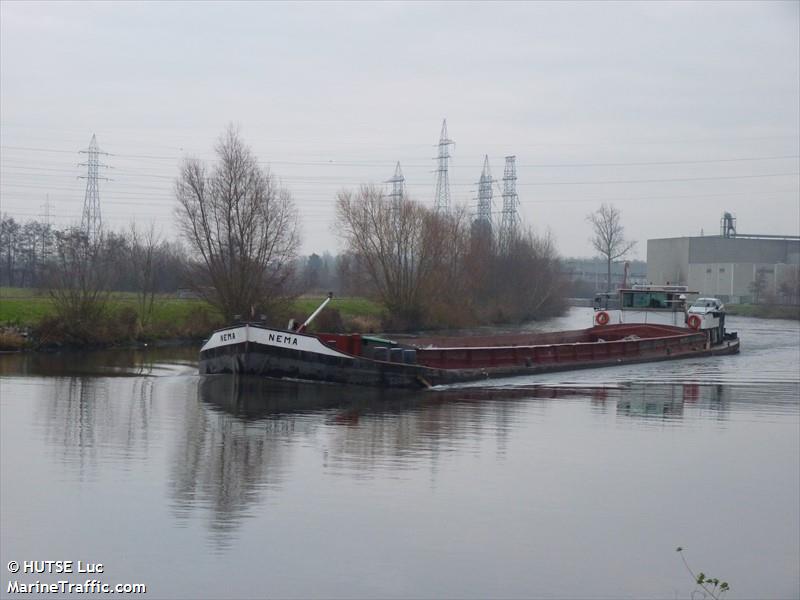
x=694, y=322
x=602, y=318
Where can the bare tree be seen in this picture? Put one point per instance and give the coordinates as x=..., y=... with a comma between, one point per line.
x=407, y=251
x=9, y=249
x=142, y=253
x=758, y=286
x=522, y=281
x=608, y=236
x=79, y=280
x=243, y=227
x=790, y=285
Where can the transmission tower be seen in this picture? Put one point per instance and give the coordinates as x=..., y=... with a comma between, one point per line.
x=46, y=211
x=441, y=201
x=91, y=221
x=398, y=188
x=46, y=234
x=484, y=212
x=510, y=214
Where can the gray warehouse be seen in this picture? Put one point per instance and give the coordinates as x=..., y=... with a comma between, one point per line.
x=733, y=269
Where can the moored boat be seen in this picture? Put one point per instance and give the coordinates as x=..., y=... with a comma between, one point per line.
x=614, y=339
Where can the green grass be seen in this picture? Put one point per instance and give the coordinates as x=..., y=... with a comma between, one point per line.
x=348, y=306
x=764, y=311
x=26, y=307
x=21, y=306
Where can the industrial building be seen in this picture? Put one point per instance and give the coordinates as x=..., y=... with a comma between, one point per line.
x=736, y=268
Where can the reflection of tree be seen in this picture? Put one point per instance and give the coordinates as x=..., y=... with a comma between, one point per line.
x=89, y=416
x=403, y=430
x=99, y=363
x=226, y=458
x=236, y=443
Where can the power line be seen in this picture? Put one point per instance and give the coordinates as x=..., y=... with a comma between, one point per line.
x=381, y=163
x=328, y=180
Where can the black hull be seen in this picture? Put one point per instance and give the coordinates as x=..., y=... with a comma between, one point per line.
x=269, y=361
x=250, y=358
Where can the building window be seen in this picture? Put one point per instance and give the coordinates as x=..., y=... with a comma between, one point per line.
x=722, y=269
x=708, y=270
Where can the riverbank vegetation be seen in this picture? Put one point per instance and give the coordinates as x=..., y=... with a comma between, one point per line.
x=765, y=311
x=29, y=319
x=405, y=266
x=443, y=269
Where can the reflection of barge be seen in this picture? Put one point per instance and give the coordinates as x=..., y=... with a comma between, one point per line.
x=254, y=349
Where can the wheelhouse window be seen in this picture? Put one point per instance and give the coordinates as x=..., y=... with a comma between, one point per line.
x=645, y=300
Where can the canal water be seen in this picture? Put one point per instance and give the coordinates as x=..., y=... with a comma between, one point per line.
x=569, y=485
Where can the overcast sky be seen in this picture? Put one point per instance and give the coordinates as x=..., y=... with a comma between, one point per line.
x=675, y=112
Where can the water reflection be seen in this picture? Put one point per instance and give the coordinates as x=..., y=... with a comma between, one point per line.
x=239, y=439
x=226, y=458
x=234, y=442
x=120, y=362
x=254, y=398
x=89, y=420
x=452, y=492
x=668, y=401
x=449, y=412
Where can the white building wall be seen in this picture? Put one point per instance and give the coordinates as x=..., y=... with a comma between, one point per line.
x=730, y=267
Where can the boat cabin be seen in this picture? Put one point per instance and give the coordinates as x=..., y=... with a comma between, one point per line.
x=663, y=305
x=657, y=304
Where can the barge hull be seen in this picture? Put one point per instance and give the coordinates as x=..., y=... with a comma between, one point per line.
x=269, y=361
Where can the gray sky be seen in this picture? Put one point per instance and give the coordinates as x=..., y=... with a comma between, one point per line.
x=706, y=95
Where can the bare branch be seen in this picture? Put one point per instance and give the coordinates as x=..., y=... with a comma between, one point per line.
x=608, y=236
x=242, y=225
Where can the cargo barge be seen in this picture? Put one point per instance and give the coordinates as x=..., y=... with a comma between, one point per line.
x=670, y=330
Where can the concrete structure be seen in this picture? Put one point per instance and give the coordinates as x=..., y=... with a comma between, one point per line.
x=725, y=267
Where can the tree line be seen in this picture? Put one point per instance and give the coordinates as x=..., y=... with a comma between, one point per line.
x=240, y=235
x=427, y=268
x=437, y=269
x=29, y=252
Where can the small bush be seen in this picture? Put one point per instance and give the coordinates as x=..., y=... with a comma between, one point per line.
x=100, y=328
x=362, y=324
x=11, y=341
x=199, y=322
x=329, y=320
x=123, y=325
x=57, y=330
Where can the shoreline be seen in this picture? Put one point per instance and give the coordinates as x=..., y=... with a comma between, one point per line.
x=764, y=311
x=28, y=347
x=15, y=339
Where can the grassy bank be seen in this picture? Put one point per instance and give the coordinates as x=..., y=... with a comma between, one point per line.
x=31, y=311
x=764, y=311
